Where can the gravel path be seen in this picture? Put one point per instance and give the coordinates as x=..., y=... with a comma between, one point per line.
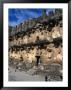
x=24, y=76
x=33, y=75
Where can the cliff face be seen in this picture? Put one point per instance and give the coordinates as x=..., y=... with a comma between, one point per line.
x=30, y=23
x=36, y=46
x=38, y=40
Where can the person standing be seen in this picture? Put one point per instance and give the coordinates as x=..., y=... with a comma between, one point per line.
x=46, y=79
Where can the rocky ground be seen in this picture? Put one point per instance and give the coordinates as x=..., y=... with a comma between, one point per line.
x=22, y=72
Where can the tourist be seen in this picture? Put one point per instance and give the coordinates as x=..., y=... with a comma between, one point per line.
x=24, y=54
x=46, y=79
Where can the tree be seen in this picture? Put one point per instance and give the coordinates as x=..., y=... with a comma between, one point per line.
x=51, y=13
x=44, y=13
x=58, y=11
x=10, y=29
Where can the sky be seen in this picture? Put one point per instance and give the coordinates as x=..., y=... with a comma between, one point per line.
x=17, y=16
